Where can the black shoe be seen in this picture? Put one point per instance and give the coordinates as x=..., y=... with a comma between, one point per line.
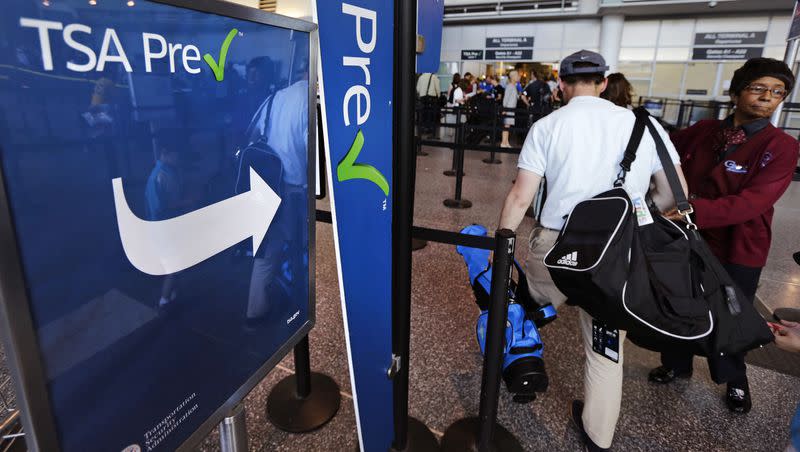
x=577, y=412
x=664, y=375
x=738, y=397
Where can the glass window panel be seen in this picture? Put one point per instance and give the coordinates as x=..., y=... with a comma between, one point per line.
x=676, y=33
x=727, y=75
x=548, y=35
x=776, y=52
x=642, y=32
x=778, y=30
x=673, y=54
x=700, y=77
x=445, y=74
x=667, y=79
x=636, y=54
x=640, y=89
x=581, y=33
x=636, y=69
x=451, y=38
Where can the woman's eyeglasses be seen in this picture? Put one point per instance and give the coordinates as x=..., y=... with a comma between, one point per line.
x=761, y=89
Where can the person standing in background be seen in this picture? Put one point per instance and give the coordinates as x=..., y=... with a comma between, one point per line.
x=472, y=86
x=537, y=98
x=453, y=85
x=428, y=91
x=510, y=99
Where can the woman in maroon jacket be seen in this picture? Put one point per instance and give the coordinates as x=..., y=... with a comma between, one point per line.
x=737, y=169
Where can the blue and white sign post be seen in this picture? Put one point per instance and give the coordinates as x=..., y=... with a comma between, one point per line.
x=430, y=17
x=356, y=84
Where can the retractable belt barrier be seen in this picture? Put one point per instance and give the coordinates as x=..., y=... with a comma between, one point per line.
x=477, y=132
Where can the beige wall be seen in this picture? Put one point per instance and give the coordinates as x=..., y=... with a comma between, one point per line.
x=295, y=8
x=250, y=3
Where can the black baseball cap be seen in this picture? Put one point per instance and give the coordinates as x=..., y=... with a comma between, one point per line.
x=583, y=56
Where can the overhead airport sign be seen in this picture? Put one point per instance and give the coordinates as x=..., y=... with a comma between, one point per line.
x=509, y=55
x=726, y=53
x=730, y=38
x=468, y=55
x=512, y=42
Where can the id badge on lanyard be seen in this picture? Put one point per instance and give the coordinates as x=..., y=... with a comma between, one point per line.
x=640, y=209
x=605, y=341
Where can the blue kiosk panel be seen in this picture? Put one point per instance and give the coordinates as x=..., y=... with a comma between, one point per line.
x=155, y=164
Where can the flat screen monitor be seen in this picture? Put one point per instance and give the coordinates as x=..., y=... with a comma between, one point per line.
x=156, y=213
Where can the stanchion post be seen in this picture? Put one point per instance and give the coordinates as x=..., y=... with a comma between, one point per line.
x=679, y=122
x=302, y=368
x=495, y=333
x=483, y=433
x=305, y=401
x=492, y=160
x=420, y=152
x=233, y=431
x=410, y=434
x=456, y=133
x=458, y=154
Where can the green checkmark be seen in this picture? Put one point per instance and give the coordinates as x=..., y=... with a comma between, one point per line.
x=349, y=169
x=219, y=69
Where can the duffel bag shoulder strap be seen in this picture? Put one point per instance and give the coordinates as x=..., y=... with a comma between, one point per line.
x=633, y=145
x=684, y=208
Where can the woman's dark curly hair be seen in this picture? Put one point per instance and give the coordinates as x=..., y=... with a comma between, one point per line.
x=755, y=68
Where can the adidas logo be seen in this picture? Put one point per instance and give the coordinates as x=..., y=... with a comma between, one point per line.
x=570, y=259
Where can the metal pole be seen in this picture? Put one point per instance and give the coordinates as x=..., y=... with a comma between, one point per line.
x=788, y=58
x=233, y=431
x=456, y=131
x=458, y=155
x=459, y=152
x=302, y=368
x=405, y=162
x=681, y=109
x=495, y=332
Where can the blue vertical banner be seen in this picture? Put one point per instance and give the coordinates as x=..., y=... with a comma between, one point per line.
x=430, y=16
x=356, y=85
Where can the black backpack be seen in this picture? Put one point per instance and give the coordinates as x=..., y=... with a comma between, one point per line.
x=658, y=281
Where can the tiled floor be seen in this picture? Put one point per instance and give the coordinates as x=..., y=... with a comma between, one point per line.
x=446, y=364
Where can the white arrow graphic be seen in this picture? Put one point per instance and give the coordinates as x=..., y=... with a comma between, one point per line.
x=169, y=246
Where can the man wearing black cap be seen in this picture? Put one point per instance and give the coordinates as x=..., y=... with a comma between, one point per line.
x=737, y=170
x=579, y=148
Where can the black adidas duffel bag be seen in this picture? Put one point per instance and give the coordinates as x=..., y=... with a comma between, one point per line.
x=658, y=281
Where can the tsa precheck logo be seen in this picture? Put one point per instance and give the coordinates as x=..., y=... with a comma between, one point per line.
x=155, y=47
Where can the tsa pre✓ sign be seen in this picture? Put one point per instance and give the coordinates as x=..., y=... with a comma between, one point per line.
x=155, y=164
x=356, y=45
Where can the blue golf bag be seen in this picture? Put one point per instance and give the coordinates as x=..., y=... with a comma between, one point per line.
x=523, y=366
